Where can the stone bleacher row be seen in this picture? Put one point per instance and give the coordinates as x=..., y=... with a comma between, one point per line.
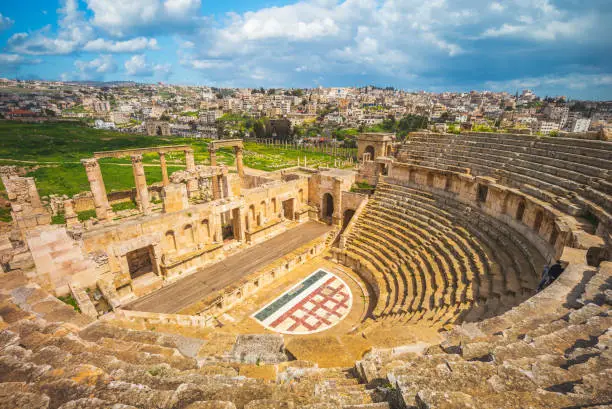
x=431, y=260
x=54, y=357
x=552, y=351
x=573, y=175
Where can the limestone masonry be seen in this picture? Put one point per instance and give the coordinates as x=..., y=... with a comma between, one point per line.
x=227, y=288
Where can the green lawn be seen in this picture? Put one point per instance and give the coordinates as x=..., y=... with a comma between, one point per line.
x=52, y=152
x=70, y=178
x=270, y=158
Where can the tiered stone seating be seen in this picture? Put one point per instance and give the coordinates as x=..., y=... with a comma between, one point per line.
x=54, y=357
x=572, y=174
x=430, y=260
x=552, y=351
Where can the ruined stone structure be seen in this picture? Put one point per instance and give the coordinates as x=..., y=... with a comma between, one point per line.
x=374, y=145
x=26, y=208
x=426, y=294
x=157, y=128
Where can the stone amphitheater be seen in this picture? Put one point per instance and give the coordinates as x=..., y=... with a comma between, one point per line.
x=228, y=288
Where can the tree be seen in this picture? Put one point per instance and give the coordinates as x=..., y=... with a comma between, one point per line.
x=259, y=129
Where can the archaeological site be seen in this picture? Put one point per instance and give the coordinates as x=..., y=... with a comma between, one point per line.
x=464, y=270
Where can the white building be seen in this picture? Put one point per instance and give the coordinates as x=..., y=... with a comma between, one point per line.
x=546, y=127
x=211, y=116
x=581, y=125
x=100, y=124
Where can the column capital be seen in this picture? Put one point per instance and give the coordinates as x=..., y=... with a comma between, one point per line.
x=89, y=163
x=136, y=158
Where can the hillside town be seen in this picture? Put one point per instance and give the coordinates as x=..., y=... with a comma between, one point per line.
x=295, y=114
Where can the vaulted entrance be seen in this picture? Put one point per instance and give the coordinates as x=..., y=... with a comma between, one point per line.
x=288, y=209
x=140, y=262
x=327, y=207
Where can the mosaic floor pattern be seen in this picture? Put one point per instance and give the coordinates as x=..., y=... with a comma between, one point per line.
x=315, y=304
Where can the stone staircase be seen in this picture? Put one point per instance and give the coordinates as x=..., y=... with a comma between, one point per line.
x=431, y=261
x=58, y=259
x=552, y=351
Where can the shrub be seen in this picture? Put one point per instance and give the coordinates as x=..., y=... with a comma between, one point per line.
x=86, y=215
x=123, y=206
x=69, y=299
x=58, y=219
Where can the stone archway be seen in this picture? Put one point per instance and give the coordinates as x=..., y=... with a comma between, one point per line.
x=370, y=149
x=327, y=207
x=159, y=131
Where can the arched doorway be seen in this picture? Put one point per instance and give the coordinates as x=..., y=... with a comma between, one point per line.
x=369, y=149
x=327, y=207
x=159, y=131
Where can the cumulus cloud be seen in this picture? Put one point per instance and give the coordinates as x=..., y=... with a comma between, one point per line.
x=74, y=34
x=136, y=16
x=409, y=43
x=14, y=60
x=5, y=22
x=73, y=31
x=541, y=20
x=139, y=66
x=96, y=68
x=575, y=81
x=128, y=46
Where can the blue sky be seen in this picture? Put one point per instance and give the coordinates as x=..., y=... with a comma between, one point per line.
x=556, y=47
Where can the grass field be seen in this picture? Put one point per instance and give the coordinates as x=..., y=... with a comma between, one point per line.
x=52, y=152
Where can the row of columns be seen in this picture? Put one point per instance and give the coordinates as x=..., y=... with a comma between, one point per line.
x=98, y=190
x=238, y=151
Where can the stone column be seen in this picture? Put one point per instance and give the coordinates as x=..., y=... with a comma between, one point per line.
x=141, y=184
x=216, y=190
x=189, y=161
x=213, y=156
x=98, y=190
x=238, y=150
x=218, y=228
x=164, y=168
x=337, y=215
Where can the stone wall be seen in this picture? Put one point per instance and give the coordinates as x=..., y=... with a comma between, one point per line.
x=188, y=236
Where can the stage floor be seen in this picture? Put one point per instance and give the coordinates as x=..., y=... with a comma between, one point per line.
x=315, y=304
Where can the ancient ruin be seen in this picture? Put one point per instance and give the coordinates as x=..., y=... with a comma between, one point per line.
x=157, y=128
x=229, y=288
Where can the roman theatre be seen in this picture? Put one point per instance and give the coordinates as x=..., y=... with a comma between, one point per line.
x=300, y=288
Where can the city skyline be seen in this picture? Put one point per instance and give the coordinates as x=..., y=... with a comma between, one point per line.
x=552, y=47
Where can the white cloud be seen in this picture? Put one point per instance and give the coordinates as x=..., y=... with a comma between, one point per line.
x=204, y=64
x=73, y=32
x=301, y=21
x=128, y=46
x=575, y=81
x=96, y=68
x=549, y=31
x=7, y=59
x=540, y=20
x=5, y=22
x=497, y=7
x=122, y=18
x=139, y=67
